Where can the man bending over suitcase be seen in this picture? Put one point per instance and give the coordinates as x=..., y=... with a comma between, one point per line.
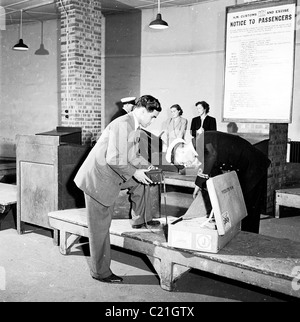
x=213, y=153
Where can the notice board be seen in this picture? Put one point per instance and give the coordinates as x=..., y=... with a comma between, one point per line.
x=259, y=62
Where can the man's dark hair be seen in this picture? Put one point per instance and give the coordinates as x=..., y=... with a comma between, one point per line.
x=233, y=126
x=149, y=102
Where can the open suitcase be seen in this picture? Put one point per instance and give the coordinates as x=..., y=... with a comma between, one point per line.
x=197, y=232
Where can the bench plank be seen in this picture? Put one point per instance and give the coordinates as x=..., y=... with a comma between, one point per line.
x=288, y=198
x=255, y=259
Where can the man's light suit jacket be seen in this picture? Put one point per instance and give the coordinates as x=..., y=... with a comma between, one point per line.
x=113, y=160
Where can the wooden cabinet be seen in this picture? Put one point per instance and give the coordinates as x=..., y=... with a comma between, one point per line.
x=46, y=168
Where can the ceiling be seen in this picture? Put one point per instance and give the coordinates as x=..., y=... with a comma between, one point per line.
x=46, y=9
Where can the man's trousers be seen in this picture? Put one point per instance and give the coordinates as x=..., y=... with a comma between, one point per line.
x=99, y=219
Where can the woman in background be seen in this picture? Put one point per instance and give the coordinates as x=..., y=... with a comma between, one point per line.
x=176, y=126
x=203, y=122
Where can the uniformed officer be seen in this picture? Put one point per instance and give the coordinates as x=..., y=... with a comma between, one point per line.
x=213, y=153
x=128, y=105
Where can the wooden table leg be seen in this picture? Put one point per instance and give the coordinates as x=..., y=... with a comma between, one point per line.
x=66, y=241
x=166, y=274
x=4, y=210
x=277, y=210
x=56, y=237
x=14, y=212
x=19, y=223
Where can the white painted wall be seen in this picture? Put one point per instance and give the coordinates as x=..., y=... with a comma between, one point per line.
x=30, y=87
x=184, y=64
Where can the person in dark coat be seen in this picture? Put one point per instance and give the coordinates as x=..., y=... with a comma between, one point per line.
x=203, y=122
x=214, y=153
x=128, y=105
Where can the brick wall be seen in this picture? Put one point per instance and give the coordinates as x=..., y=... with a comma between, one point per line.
x=277, y=174
x=81, y=80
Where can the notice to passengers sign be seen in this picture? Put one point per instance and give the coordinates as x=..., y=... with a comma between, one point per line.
x=259, y=62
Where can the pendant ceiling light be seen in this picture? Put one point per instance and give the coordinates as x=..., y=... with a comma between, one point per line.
x=20, y=46
x=158, y=23
x=42, y=51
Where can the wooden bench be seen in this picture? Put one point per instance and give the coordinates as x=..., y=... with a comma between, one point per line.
x=258, y=260
x=8, y=200
x=288, y=198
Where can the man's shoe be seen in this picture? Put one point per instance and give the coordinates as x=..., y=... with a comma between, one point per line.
x=152, y=223
x=138, y=226
x=110, y=279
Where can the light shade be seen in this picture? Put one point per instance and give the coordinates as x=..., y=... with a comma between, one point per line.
x=42, y=51
x=158, y=23
x=20, y=46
